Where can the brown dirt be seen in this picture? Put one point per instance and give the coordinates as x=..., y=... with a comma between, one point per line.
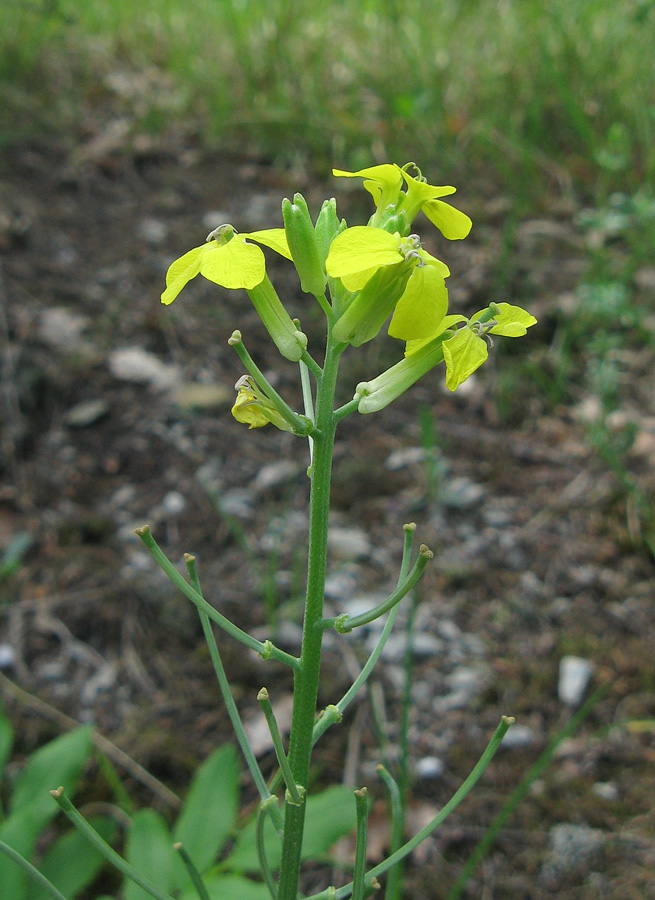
x=536, y=557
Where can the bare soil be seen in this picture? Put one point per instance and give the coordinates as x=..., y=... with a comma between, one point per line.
x=536, y=551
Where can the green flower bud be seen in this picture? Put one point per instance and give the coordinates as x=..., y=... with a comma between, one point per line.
x=368, y=310
x=328, y=227
x=381, y=391
x=303, y=244
x=288, y=340
x=393, y=220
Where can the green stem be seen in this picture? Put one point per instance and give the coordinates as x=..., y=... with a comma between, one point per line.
x=359, y=879
x=300, y=424
x=336, y=712
x=345, y=623
x=31, y=871
x=194, y=875
x=264, y=808
x=454, y=801
x=306, y=675
x=397, y=829
x=228, y=699
x=266, y=650
x=278, y=746
x=103, y=847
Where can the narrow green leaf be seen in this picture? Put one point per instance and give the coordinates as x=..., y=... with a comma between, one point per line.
x=149, y=848
x=209, y=812
x=58, y=763
x=72, y=863
x=330, y=815
x=20, y=831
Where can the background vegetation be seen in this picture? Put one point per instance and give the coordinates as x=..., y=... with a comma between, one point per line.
x=558, y=96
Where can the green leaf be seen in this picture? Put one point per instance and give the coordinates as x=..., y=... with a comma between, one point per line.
x=330, y=815
x=20, y=831
x=6, y=741
x=209, y=811
x=463, y=354
x=72, y=863
x=58, y=763
x=220, y=887
x=149, y=848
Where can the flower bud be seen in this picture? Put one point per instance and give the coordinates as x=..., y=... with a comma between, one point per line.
x=381, y=391
x=303, y=245
x=288, y=340
x=328, y=227
x=368, y=310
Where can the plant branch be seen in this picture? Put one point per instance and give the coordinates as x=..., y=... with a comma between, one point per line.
x=103, y=847
x=266, y=650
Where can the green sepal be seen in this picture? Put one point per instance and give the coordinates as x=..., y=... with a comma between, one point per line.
x=289, y=341
x=303, y=244
x=394, y=221
x=369, y=309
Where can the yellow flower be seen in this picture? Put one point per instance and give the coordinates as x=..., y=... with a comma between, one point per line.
x=420, y=300
x=226, y=259
x=385, y=183
x=254, y=409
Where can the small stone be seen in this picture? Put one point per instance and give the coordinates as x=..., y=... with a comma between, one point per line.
x=136, y=365
x=274, y=474
x=574, y=677
x=213, y=218
x=430, y=767
x=519, y=736
x=572, y=848
x=173, y=503
x=152, y=231
x=7, y=656
x=61, y=328
x=237, y=502
x=86, y=413
x=202, y=396
x=606, y=790
x=400, y=459
x=348, y=543
x=461, y=493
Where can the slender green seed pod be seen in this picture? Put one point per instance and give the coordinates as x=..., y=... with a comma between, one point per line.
x=303, y=245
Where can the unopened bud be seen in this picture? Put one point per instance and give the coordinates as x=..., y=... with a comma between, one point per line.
x=303, y=244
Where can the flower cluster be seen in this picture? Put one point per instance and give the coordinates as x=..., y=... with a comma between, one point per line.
x=372, y=273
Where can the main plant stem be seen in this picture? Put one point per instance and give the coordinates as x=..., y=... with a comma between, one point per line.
x=306, y=676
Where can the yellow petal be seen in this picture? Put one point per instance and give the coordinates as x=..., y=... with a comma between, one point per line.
x=421, y=307
x=180, y=273
x=236, y=264
x=382, y=182
x=463, y=354
x=446, y=323
x=451, y=222
x=360, y=248
x=419, y=192
x=275, y=238
x=430, y=260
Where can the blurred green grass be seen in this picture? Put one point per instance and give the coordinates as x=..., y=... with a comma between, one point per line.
x=536, y=95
